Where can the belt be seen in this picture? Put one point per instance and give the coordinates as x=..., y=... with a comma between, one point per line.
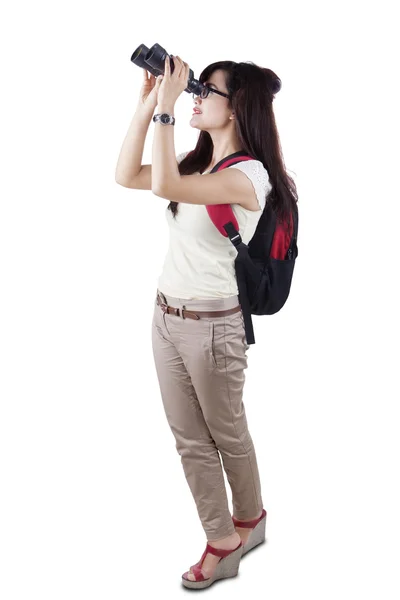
x=193, y=315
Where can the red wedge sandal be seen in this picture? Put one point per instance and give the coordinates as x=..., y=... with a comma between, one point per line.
x=228, y=566
x=257, y=536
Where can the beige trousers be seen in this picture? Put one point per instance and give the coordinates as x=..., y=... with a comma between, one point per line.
x=200, y=367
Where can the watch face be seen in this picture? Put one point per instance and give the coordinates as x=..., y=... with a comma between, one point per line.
x=165, y=118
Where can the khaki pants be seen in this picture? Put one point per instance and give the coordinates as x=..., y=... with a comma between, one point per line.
x=200, y=367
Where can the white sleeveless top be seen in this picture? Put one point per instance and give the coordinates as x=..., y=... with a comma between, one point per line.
x=200, y=261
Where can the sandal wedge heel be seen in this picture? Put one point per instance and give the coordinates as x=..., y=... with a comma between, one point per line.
x=257, y=536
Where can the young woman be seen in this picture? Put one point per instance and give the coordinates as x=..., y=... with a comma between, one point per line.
x=198, y=335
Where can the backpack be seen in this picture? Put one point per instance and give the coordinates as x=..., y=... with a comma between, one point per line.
x=264, y=267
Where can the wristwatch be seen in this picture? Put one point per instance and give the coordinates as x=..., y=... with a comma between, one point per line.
x=164, y=119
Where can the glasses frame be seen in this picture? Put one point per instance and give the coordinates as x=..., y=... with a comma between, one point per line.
x=209, y=90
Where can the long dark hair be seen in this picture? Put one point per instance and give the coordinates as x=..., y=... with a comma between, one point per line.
x=251, y=91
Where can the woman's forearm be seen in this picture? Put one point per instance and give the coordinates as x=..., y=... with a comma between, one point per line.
x=164, y=169
x=131, y=154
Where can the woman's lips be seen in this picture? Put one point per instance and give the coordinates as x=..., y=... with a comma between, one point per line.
x=197, y=112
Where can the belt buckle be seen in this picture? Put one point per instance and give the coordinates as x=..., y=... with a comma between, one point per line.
x=193, y=313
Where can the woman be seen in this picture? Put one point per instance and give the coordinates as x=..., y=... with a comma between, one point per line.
x=198, y=335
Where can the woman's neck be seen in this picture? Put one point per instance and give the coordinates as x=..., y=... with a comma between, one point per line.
x=215, y=162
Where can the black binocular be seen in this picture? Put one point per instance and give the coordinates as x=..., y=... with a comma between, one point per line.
x=153, y=60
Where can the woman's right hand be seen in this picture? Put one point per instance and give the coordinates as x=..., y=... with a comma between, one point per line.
x=148, y=97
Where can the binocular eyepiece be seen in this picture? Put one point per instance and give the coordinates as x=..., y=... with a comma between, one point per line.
x=153, y=60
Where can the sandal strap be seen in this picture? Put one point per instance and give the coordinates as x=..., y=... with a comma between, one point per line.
x=249, y=524
x=196, y=570
x=221, y=552
x=199, y=563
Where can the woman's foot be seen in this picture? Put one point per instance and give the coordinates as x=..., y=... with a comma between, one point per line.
x=245, y=532
x=210, y=561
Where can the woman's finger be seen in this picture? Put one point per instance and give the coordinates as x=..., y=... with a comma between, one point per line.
x=183, y=70
x=184, y=66
x=181, y=66
x=167, y=65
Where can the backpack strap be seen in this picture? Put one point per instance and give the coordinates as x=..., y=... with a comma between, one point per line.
x=225, y=221
x=220, y=214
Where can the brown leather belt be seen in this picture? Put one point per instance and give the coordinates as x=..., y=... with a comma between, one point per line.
x=194, y=315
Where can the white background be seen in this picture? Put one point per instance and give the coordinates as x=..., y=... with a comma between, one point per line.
x=94, y=502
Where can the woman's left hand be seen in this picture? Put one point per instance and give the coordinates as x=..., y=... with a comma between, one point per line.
x=172, y=85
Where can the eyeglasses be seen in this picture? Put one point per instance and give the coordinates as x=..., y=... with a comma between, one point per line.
x=206, y=91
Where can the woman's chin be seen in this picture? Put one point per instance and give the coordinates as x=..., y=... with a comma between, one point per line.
x=193, y=123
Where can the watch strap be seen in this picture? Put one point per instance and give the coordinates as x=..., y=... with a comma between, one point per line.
x=157, y=119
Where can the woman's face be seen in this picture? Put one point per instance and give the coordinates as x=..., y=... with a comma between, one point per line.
x=214, y=109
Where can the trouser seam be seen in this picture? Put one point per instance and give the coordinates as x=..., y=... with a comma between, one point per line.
x=233, y=422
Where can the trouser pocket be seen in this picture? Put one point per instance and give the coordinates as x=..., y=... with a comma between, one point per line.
x=211, y=344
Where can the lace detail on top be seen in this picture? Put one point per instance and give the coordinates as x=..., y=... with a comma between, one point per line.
x=258, y=175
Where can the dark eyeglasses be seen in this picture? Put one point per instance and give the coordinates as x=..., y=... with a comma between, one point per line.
x=206, y=91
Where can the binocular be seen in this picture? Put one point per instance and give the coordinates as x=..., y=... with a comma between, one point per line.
x=153, y=60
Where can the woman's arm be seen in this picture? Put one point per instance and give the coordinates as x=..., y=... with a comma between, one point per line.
x=130, y=157
x=165, y=171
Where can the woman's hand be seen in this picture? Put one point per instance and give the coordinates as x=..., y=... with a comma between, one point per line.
x=149, y=92
x=174, y=84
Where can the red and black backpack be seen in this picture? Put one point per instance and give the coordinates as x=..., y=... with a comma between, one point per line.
x=264, y=267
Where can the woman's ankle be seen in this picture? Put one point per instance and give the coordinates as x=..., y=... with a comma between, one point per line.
x=229, y=541
x=249, y=518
